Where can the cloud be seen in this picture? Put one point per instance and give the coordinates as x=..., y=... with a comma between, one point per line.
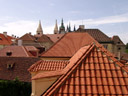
x=19, y=28
x=104, y=20
x=22, y=27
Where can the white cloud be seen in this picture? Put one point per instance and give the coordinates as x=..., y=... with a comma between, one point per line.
x=22, y=27
x=103, y=20
x=18, y=28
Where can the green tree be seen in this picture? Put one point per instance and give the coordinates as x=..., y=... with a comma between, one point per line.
x=127, y=46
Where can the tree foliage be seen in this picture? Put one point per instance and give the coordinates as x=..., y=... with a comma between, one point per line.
x=14, y=88
x=127, y=46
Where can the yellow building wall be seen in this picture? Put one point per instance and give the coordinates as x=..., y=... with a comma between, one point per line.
x=40, y=85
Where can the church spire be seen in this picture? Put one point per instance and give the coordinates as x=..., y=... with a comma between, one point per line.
x=39, y=31
x=62, y=28
x=69, y=29
x=74, y=28
x=56, y=28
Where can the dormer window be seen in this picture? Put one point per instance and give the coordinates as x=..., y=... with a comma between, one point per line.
x=8, y=53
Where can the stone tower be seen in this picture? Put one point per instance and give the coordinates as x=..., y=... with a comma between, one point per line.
x=39, y=31
x=56, y=28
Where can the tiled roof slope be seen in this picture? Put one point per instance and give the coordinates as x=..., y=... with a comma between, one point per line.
x=96, y=34
x=27, y=37
x=48, y=66
x=5, y=40
x=55, y=37
x=19, y=69
x=117, y=40
x=68, y=45
x=17, y=51
x=44, y=38
x=92, y=71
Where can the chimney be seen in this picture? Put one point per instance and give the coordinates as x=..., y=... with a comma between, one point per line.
x=81, y=26
x=5, y=34
x=19, y=42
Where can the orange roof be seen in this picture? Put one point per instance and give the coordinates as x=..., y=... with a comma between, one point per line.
x=68, y=45
x=5, y=40
x=17, y=51
x=55, y=37
x=48, y=66
x=91, y=71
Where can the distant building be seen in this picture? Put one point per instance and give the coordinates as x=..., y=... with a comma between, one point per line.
x=16, y=67
x=5, y=40
x=62, y=28
x=40, y=41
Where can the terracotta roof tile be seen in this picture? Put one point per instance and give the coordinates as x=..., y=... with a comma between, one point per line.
x=55, y=37
x=17, y=51
x=5, y=40
x=27, y=37
x=19, y=69
x=48, y=66
x=87, y=78
x=68, y=45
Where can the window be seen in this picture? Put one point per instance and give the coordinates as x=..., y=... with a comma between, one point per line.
x=10, y=66
x=9, y=53
x=119, y=48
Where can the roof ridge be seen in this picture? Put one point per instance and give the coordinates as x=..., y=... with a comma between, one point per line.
x=64, y=76
x=68, y=71
x=25, y=50
x=54, y=44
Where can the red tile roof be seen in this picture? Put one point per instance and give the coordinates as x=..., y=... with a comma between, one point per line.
x=19, y=69
x=91, y=71
x=5, y=40
x=55, y=37
x=96, y=34
x=18, y=51
x=48, y=66
x=27, y=37
x=68, y=45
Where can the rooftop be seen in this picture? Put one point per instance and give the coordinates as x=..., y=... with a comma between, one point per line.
x=97, y=35
x=68, y=45
x=5, y=40
x=91, y=71
x=18, y=51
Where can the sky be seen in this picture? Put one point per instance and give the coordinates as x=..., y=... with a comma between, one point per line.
x=18, y=17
